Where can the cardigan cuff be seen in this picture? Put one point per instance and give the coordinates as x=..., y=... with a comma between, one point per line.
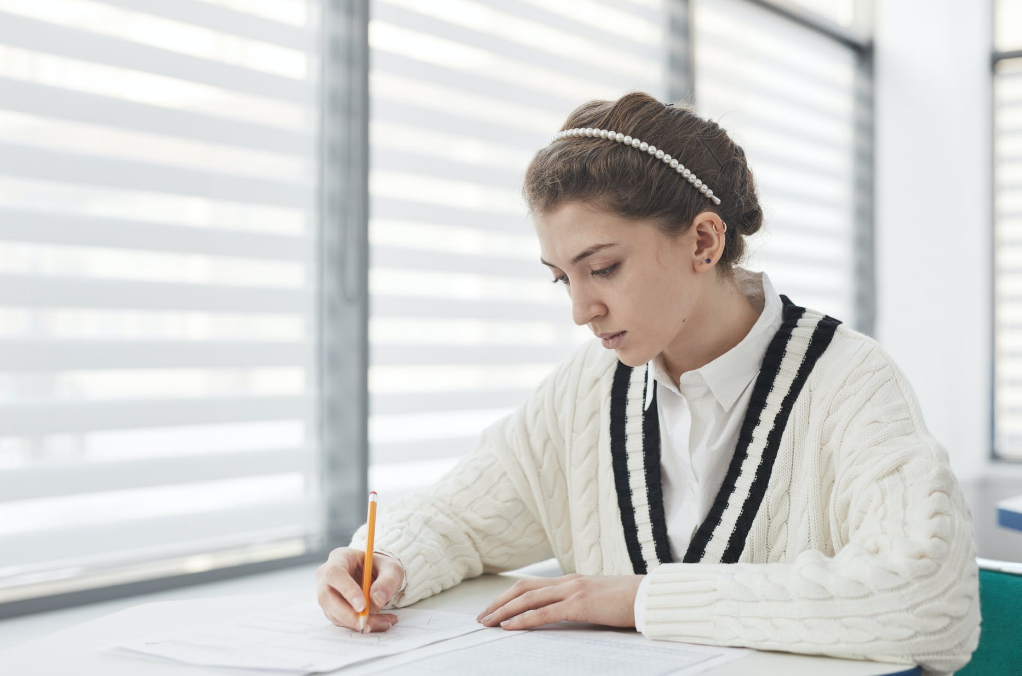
x=640, y=603
x=388, y=545
x=681, y=601
x=404, y=573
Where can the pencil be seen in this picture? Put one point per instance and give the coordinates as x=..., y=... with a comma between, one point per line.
x=367, y=566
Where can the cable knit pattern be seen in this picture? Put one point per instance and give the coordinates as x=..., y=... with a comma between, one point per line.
x=862, y=547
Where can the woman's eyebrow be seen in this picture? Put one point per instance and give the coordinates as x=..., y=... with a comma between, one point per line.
x=585, y=254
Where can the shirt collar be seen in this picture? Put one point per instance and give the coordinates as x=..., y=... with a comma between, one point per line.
x=728, y=375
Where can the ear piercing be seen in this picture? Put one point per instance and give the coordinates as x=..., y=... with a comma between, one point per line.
x=719, y=232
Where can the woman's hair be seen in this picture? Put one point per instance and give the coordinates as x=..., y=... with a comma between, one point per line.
x=636, y=185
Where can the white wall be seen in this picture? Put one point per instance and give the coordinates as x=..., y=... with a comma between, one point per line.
x=933, y=213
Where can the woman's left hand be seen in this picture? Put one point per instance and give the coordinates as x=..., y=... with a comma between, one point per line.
x=600, y=599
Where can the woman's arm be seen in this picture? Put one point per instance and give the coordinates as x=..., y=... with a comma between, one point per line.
x=470, y=522
x=904, y=586
x=479, y=518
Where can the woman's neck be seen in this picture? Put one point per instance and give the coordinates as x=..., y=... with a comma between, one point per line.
x=723, y=321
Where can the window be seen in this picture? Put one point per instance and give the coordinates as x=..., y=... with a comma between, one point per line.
x=1007, y=74
x=158, y=285
x=462, y=323
x=798, y=101
x=463, y=320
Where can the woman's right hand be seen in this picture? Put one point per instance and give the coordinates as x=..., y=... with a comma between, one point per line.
x=339, y=588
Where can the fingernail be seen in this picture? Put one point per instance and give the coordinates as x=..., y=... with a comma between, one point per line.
x=380, y=598
x=359, y=604
x=487, y=618
x=505, y=623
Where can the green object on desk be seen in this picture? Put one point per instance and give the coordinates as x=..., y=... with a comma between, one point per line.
x=1000, y=646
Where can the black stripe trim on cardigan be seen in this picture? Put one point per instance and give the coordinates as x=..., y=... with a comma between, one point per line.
x=619, y=460
x=822, y=336
x=761, y=390
x=654, y=485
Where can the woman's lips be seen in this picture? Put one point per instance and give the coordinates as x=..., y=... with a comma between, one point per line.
x=613, y=342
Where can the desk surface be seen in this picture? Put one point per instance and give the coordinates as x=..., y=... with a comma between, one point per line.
x=74, y=651
x=1009, y=513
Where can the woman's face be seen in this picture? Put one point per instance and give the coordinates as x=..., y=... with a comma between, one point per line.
x=631, y=285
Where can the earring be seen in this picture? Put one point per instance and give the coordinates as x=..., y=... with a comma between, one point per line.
x=707, y=260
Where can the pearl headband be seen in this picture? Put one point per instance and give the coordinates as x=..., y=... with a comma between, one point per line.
x=644, y=147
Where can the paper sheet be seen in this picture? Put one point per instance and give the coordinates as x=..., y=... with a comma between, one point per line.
x=299, y=639
x=569, y=649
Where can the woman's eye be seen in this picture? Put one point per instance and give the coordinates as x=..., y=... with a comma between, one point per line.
x=605, y=272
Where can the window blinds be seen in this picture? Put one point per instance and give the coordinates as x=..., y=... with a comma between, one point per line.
x=464, y=321
x=794, y=101
x=158, y=280
x=1008, y=257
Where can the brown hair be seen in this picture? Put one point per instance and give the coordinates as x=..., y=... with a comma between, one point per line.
x=635, y=185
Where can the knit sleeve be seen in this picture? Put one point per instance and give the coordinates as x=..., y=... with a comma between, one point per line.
x=902, y=583
x=484, y=515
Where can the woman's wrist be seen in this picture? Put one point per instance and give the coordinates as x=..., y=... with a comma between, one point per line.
x=404, y=577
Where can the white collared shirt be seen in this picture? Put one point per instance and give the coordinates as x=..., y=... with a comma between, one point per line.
x=701, y=416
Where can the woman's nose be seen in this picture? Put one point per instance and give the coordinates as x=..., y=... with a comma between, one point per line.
x=585, y=307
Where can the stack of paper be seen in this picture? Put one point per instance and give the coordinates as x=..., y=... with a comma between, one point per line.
x=299, y=639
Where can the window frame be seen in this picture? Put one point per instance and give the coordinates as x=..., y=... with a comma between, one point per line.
x=996, y=56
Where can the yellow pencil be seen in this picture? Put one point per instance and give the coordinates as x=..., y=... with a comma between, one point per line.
x=367, y=566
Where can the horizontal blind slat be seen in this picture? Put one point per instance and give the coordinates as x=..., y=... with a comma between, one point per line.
x=81, y=45
x=392, y=208
x=418, y=259
x=57, y=479
x=82, y=169
x=450, y=169
x=527, y=41
x=22, y=225
x=54, y=102
x=54, y=355
x=157, y=537
x=54, y=417
x=417, y=306
x=54, y=291
x=457, y=400
x=224, y=20
x=383, y=354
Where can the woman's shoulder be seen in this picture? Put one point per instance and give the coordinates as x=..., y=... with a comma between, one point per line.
x=854, y=360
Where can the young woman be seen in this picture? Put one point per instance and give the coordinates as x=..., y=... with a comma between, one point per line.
x=719, y=466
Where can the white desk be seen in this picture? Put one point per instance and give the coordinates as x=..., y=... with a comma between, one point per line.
x=72, y=652
x=1009, y=513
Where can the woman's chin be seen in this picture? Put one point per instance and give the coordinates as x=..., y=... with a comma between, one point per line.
x=629, y=357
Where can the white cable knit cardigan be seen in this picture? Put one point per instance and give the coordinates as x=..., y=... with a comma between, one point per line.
x=839, y=529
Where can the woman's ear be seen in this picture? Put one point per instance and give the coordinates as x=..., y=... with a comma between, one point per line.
x=709, y=239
